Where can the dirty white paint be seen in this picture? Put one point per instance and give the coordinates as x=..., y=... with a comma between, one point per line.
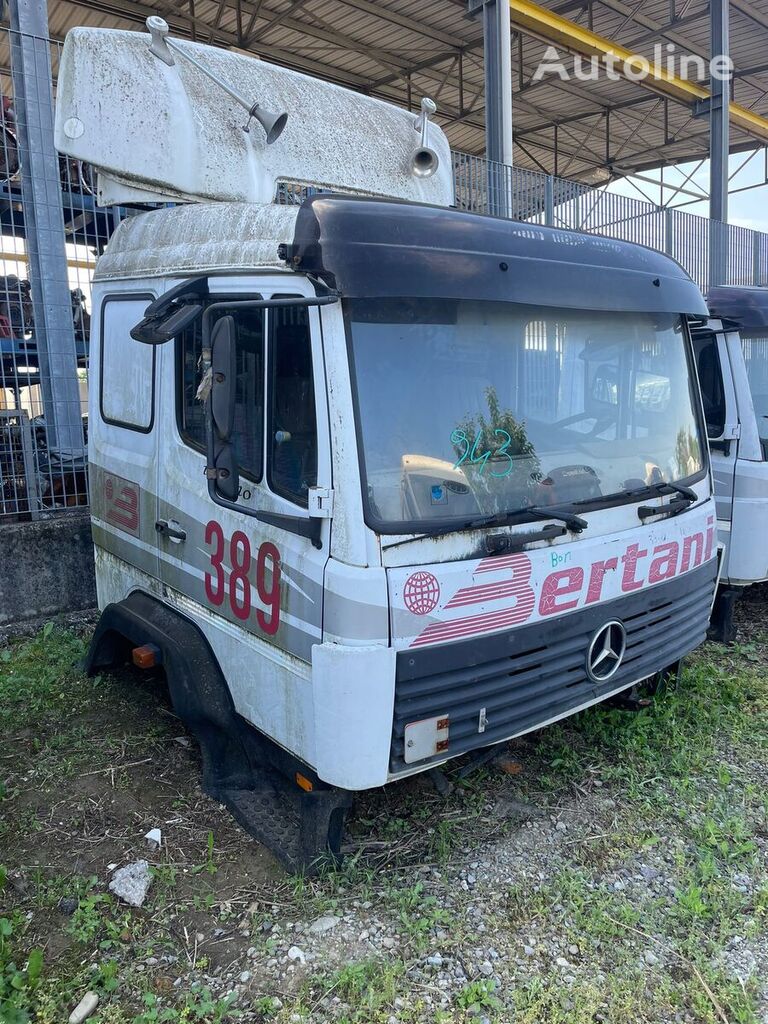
x=173, y=133
x=199, y=239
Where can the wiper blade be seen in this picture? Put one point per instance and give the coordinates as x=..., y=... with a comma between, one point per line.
x=665, y=488
x=573, y=522
x=672, y=508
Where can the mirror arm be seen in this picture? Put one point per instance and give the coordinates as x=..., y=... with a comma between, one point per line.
x=303, y=527
x=300, y=301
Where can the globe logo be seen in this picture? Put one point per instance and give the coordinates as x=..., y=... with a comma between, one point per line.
x=421, y=593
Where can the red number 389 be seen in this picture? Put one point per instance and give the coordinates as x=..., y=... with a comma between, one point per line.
x=238, y=586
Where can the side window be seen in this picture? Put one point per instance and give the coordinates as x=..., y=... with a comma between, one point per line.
x=711, y=382
x=292, y=424
x=127, y=367
x=249, y=407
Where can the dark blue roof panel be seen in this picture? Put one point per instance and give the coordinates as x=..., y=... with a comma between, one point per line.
x=384, y=248
x=746, y=307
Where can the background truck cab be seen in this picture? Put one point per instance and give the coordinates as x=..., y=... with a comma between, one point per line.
x=732, y=361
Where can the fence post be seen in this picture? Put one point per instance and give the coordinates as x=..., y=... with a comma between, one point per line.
x=44, y=228
x=669, y=231
x=755, y=257
x=549, y=201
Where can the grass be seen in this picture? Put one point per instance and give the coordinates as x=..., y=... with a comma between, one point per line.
x=88, y=765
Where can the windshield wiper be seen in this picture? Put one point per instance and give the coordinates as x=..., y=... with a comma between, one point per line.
x=573, y=522
x=672, y=508
x=662, y=488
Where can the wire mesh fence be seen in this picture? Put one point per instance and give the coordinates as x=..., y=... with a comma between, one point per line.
x=739, y=255
x=44, y=345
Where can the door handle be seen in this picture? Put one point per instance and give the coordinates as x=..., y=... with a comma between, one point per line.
x=171, y=529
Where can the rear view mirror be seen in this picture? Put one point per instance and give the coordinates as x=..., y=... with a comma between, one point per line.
x=158, y=330
x=605, y=385
x=223, y=376
x=222, y=462
x=171, y=313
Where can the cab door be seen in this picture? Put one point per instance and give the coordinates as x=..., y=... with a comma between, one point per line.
x=255, y=587
x=123, y=436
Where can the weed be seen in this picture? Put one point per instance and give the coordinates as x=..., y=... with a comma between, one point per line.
x=478, y=995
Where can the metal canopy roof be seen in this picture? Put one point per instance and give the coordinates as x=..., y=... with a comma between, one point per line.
x=401, y=50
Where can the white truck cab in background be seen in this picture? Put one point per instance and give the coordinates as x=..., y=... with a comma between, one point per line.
x=732, y=361
x=376, y=481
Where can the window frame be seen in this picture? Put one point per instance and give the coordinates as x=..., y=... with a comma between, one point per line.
x=715, y=341
x=184, y=436
x=286, y=495
x=115, y=297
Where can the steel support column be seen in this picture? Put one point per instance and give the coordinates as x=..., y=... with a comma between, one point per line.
x=497, y=60
x=498, y=80
x=720, y=89
x=44, y=228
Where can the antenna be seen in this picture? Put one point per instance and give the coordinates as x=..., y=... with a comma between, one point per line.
x=161, y=46
x=424, y=161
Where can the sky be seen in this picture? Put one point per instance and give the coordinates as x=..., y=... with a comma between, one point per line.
x=745, y=208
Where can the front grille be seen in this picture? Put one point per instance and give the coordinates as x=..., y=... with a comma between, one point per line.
x=533, y=674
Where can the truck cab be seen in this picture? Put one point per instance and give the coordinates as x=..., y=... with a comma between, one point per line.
x=378, y=482
x=731, y=348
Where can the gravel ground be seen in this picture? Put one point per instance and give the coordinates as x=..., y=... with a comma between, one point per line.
x=610, y=869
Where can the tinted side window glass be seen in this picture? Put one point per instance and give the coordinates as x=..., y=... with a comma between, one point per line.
x=249, y=408
x=711, y=382
x=292, y=429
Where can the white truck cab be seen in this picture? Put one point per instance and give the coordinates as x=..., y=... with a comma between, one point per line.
x=731, y=348
x=378, y=482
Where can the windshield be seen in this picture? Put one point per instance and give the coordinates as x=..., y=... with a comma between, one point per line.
x=471, y=408
x=756, y=362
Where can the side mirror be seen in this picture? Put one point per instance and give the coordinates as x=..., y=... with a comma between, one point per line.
x=222, y=455
x=172, y=312
x=223, y=376
x=156, y=330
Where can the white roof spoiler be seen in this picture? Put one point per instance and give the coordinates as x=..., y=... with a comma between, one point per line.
x=163, y=120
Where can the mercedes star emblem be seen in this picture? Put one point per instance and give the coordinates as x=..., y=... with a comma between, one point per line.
x=606, y=651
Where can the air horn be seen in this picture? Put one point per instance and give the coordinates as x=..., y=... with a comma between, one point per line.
x=424, y=161
x=161, y=46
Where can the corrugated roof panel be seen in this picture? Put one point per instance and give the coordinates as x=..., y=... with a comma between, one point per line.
x=372, y=45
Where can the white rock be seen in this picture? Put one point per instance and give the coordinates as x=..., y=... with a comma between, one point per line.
x=131, y=883
x=154, y=836
x=323, y=924
x=562, y=962
x=84, y=1008
x=294, y=953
